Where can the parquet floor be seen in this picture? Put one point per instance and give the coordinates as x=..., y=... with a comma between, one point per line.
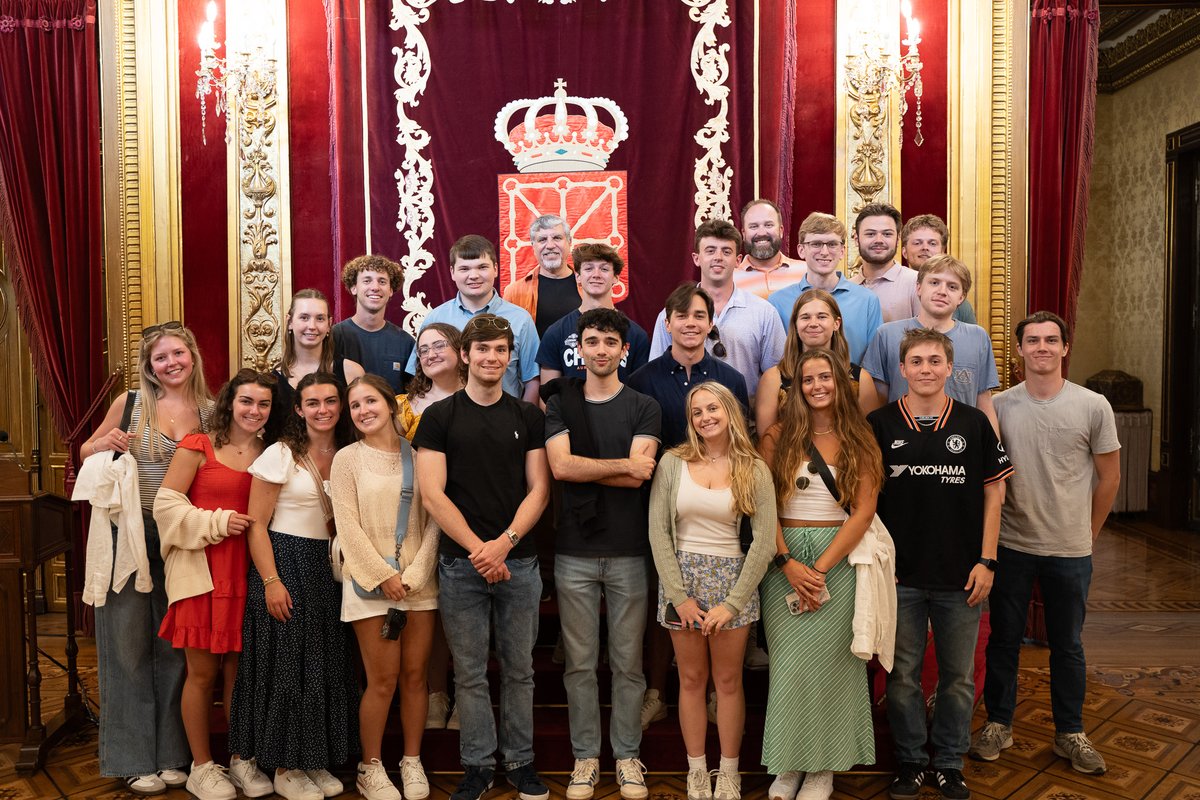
x=1143, y=707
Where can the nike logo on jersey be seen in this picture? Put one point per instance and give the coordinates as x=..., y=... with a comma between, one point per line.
x=898, y=443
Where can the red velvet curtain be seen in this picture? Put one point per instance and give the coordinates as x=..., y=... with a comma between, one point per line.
x=50, y=212
x=1064, y=43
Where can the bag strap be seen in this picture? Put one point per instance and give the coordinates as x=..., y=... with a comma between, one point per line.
x=127, y=414
x=826, y=476
x=326, y=503
x=406, y=494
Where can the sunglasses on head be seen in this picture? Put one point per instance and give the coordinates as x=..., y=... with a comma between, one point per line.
x=718, y=349
x=170, y=325
x=497, y=323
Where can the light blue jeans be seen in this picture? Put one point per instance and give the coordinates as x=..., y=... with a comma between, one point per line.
x=470, y=606
x=955, y=631
x=624, y=583
x=141, y=677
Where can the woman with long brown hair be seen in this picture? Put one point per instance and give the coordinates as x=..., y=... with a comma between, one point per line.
x=816, y=322
x=141, y=733
x=703, y=490
x=818, y=708
x=440, y=373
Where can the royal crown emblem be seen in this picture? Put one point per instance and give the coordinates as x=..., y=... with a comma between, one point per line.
x=561, y=142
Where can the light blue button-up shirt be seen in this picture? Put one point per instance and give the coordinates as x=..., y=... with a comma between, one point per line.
x=522, y=366
x=861, y=314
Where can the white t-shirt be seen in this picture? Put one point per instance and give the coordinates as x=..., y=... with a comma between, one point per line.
x=1048, y=501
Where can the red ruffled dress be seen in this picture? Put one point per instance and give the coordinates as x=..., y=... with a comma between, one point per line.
x=213, y=621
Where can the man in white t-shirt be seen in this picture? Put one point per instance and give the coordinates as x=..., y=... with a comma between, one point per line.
x=1062, y=439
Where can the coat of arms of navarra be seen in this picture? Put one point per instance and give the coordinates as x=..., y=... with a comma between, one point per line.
x=561, y=159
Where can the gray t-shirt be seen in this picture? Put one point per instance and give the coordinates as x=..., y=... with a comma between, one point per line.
x=1048, y=503
x=974, y=361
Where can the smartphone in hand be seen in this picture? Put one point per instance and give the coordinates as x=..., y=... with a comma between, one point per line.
x=671, y=618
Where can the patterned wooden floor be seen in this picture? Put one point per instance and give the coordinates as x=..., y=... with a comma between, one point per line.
x=1143, y=707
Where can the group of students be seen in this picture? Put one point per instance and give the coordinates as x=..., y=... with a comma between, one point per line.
x=320, y=494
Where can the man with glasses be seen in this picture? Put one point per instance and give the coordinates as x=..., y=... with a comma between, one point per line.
x=473, y=270
x=822, y=245
x=483, y=475
x=764, y=268
x=746, y=334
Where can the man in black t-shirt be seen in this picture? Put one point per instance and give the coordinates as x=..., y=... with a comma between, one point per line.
x=944, y=472
x=483, y=476
x=548, y=292
x=385, y=346
x=601, y=439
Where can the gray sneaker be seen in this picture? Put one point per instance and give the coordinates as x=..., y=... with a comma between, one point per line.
x=1083, y=756
x=988, y=743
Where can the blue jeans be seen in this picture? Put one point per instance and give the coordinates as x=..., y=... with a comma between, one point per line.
x=141, y=677
x=1064, y=583
x=955, y=631
x=469, y=606
x=624, y=581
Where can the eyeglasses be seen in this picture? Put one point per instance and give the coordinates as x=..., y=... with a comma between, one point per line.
x=171, y=325
x=819, y=246
x=718, y=349
x=430, y=349
x=490, y=321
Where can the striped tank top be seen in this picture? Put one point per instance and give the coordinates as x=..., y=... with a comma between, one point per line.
x=152, y=464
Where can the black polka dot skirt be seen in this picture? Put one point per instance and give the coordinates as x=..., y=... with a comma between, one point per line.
x=295, y=702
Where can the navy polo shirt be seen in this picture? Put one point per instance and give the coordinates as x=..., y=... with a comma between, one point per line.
x=666, y=380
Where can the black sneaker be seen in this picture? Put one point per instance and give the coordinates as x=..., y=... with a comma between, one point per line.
x=527, y=783
x=476, y=781
x=907, y=783
x=951, y=784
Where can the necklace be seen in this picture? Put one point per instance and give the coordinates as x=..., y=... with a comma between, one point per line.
x=327, y=450
x=715, y=459
x=822, y=433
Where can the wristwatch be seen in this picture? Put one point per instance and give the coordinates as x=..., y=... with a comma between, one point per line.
x=782, y=559
x=512, y=537
x=990, y=563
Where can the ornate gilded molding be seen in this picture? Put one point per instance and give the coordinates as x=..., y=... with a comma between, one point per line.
x=868, y=119
x=710, y=70
x=260, y=274
x=1174, y=33
x=414, y=177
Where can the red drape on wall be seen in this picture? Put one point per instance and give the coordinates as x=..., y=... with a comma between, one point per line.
x=50, y=212
x=1064, y=44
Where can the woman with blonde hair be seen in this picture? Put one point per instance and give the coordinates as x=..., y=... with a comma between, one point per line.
x=389, y=592
x=712, y=522
x=141, y=733
x=816, y=322
x=818, y=707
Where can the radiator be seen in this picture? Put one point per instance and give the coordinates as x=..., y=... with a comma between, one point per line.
x=1133, y=431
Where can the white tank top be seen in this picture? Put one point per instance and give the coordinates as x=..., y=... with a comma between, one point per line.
x=705, y=521
x=813, y=502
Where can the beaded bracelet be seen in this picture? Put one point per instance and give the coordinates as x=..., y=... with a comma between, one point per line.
x=268, y=581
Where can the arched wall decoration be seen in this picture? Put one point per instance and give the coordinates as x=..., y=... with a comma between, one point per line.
x=415, y=221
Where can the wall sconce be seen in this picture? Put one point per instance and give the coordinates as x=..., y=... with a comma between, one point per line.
x=873, y=74
x=248, y=72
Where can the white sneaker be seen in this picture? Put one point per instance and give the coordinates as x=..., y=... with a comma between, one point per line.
x=326, y=782
x=173, y=778
x=729, y=785
x=653, y=708
x=631, y=777
x=294, y=784
x=412, y=776
x=146, y=784
x=373, y=782
x=712, y=708
x=245, y=775
x=699, y=785
x=583, y=780
x=817, y=786
x=439, y=707
x=209, y=782
x=452, y=724
x=785, y=785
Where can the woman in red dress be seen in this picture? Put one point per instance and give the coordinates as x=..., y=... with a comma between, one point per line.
x=201, y=512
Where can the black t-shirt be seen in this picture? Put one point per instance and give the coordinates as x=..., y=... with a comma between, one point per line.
x=485, y=449
x=556, y=298
x=614, y=424
x=932, y=497
x=384, y=352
